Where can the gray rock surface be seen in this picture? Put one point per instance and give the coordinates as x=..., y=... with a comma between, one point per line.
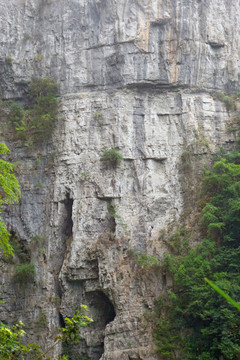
x=138, y=76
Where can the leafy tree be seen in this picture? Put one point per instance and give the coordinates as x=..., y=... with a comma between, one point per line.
x=203, y=326
x=12, y=338
x=9, y=193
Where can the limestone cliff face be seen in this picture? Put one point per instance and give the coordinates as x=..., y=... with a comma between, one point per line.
x=139, y=76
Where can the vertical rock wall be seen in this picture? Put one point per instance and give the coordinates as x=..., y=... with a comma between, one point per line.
x=138, y=76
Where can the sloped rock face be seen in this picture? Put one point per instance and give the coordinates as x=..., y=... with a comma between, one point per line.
x=138, y=76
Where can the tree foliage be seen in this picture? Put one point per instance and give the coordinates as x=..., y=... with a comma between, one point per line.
x=193, y=321
x=9, y=193
x=12, y=339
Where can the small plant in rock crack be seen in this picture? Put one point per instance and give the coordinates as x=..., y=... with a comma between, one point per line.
x=112, y=157
x=112, y=211
x=85, y=175
x=8, y=60
x=113, y=214
x=98, y=116
x=38, y=184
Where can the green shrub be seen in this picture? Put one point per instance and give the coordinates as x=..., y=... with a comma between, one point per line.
x=34, y=123
x=25, y=273
x=112, y=157
x=145, y=260
x=229, y=101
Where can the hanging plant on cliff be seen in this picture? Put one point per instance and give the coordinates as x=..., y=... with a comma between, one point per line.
x=34, y=123
x=9, y=194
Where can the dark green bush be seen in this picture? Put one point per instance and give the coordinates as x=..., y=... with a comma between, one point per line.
x=25, y=273
x=112, y=157
x=34, y=122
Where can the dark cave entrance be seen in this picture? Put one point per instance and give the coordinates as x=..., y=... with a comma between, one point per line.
x=103, y=312
x=61, y=320
x=104, y=308
x=68, y=223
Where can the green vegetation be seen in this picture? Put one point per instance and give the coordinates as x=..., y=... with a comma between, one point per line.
x=98, y=116
x=8, y=60
x=223, y=294
x=85, y=175
x=34, y=122
x=41, y=321
x=144, y=260
x=39, y=239
x=25, y=273
x=38, y=58
x=21, y=249
x=9, y=193
x=112, y=213
x=229, y=101
x=193, y=321
x=12, y=338
x=112, y=157
x=38, y=184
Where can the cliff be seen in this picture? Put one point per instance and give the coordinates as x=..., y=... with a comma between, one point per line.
x=140, y=76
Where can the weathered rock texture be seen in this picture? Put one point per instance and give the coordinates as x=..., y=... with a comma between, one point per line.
x=139, y=76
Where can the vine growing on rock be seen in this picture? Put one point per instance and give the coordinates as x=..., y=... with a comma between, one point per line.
x=9, y=193
x=193, y=321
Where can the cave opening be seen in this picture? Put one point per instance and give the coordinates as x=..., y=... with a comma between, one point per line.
x=102, y=307
x=103, y=313
x=61, y=321
x=68, y=223
x=106, y=306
